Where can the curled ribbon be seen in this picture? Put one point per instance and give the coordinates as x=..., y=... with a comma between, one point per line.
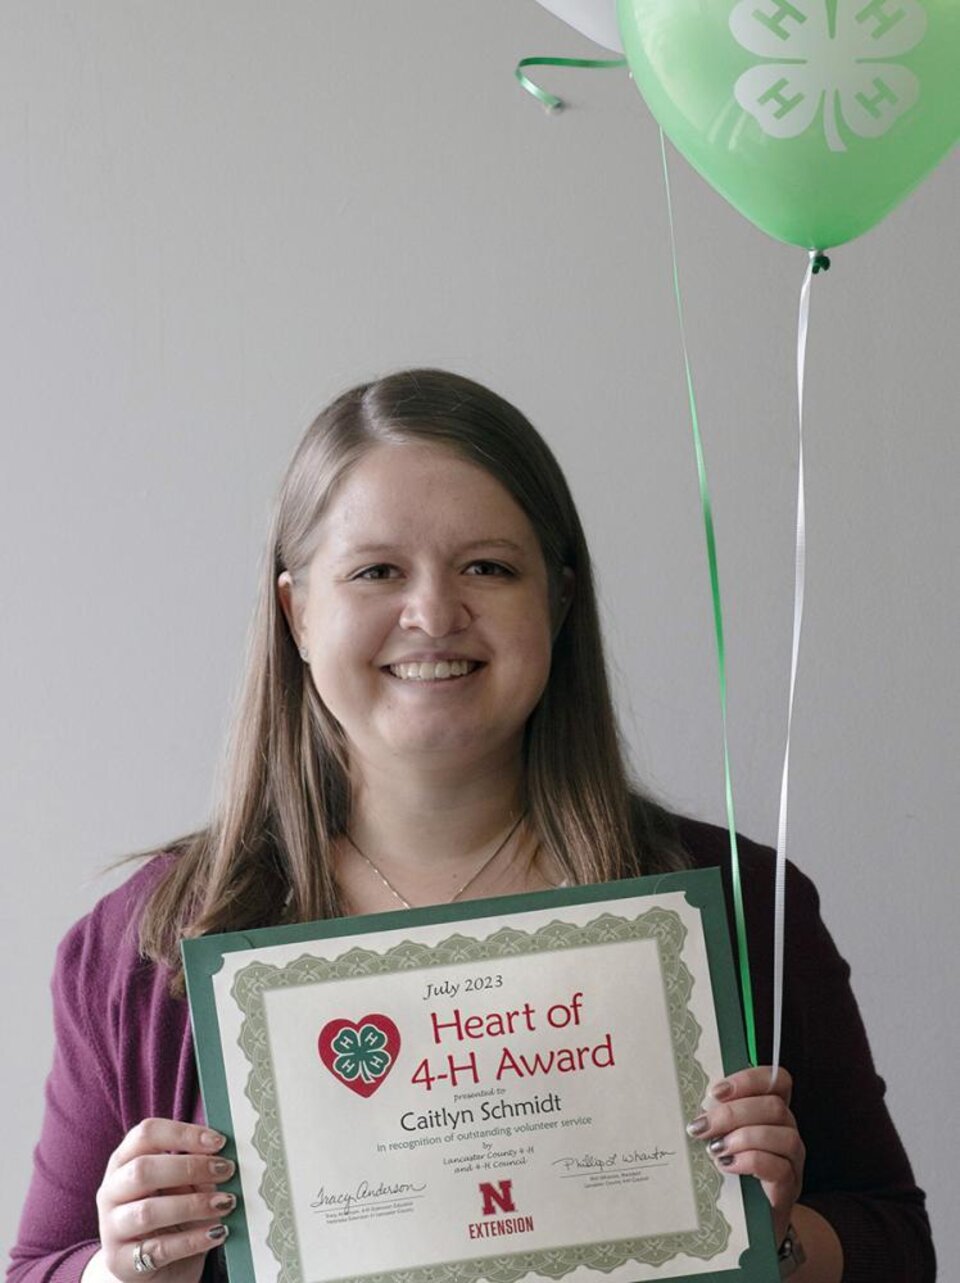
x=550, y=101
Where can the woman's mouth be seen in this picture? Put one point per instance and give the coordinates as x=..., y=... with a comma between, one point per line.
x=440, y=670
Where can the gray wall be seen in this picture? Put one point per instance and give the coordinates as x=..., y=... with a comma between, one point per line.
x=216, y=216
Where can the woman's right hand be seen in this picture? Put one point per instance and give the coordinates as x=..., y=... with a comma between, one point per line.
x=159, y=1194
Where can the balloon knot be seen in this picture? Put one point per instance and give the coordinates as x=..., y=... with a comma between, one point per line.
x=819, y=261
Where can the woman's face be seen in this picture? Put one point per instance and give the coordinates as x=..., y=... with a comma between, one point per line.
x=425, y=611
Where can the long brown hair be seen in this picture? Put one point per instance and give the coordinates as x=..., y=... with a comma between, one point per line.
x=284, y=794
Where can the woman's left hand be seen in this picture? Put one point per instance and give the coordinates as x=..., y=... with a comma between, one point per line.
x=749, y=1131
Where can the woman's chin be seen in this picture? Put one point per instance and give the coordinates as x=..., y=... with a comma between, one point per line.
x=449, y=747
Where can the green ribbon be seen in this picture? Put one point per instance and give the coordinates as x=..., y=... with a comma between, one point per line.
x=551, y=101
x=742, y=952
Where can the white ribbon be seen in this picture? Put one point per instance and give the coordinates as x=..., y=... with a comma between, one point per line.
x=780, y=886
x=816, y=261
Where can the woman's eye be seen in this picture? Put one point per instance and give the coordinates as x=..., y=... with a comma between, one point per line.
x=377, y=572
x=488, y=568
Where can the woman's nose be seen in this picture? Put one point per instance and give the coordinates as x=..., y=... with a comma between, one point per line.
x=435, y=606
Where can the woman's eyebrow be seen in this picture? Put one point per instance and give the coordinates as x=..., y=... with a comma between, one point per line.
x=507, y=544
x=368, y=549
x=378, y=549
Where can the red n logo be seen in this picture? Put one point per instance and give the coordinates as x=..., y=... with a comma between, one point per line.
x=497, y=1196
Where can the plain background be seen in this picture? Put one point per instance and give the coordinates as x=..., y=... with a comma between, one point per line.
x=216, y=216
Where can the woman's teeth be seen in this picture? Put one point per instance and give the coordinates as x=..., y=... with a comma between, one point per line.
x=433, y=671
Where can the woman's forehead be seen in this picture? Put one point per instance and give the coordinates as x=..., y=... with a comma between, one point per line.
x=410, y=491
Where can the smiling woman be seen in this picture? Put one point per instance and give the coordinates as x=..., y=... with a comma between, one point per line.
x=425, y=718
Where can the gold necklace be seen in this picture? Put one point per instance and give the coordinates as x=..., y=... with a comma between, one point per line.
x=459, y=892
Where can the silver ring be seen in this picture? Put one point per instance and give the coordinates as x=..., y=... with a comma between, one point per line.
x=143, y=1262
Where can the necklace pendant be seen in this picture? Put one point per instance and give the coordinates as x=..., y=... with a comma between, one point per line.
x=460, y=890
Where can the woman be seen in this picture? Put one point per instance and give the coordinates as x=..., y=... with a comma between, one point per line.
x=426, y=719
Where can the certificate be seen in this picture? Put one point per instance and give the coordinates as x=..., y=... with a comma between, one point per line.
x=496, y=1090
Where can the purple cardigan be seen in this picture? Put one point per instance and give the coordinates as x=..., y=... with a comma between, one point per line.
x=124, y=1052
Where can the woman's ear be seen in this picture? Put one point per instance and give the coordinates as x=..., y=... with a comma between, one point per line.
x=563, y=599
x=287, y=596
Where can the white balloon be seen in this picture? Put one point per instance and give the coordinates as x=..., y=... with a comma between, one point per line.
x=594, y=18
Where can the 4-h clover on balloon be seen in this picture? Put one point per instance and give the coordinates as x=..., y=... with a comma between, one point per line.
x=814, y=118
x=841, y=69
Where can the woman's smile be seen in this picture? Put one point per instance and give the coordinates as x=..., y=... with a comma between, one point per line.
x=439, y=670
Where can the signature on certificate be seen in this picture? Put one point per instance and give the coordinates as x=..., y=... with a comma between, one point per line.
x=365, y=1192
x=616, y=1161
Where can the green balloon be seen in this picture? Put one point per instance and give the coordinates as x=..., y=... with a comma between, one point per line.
x=814, y=118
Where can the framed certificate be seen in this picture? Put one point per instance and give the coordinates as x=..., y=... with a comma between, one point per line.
x=496, y=1090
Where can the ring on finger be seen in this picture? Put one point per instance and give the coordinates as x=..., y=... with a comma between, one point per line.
x=143, y=1262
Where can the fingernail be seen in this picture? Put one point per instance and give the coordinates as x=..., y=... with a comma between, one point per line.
x=212, y=1140
x=718, y=1145
x=221, y=1167
x=726, y=1160
x=218, y=1233
x=722, y=1090
x=698, y=1126
x=224, y=1202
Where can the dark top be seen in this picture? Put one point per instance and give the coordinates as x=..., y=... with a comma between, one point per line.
x=857, y=1175
x=124, y=1052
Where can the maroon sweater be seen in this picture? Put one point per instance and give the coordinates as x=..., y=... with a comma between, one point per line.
x=124, y=1052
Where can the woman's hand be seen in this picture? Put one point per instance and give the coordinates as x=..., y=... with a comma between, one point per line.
x=749, y=1130
x=159, y=1203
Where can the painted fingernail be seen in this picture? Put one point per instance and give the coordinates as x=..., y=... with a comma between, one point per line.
x=220, y=1167
x=218, y=1233
x=212, y=1140
x=717, y=1145
x=224, y=1202
x=698, y=1126
x=726, y=1160
x=722, y=1090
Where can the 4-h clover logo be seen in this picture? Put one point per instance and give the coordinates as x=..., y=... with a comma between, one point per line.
x=836, y=54
x=360, y=1053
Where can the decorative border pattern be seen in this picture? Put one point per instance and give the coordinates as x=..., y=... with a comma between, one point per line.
x=661, y=925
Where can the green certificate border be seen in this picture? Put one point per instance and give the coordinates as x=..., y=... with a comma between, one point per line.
x=702, y=888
